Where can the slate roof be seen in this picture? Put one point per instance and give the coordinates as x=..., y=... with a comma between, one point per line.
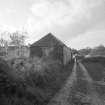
x=48, y=41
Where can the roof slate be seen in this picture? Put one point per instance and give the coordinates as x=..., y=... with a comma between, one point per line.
x=48, y=41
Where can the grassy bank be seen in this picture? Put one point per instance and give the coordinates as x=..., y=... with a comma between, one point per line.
x=31, y=81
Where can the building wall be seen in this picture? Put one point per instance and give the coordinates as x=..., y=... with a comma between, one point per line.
x=47, y=51
x=57, y=53
x=67, y=54
x=12, y=54
x=54, y=52
x=25, y=52
x=36, y=51
x=16, y=53
x=61, y=53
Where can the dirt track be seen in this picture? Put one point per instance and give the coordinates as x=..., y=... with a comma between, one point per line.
x=79, y=89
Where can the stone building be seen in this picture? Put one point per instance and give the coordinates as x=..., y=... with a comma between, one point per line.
x=50, y=46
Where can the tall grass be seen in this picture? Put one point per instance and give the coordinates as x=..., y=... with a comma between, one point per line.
x=31, y=81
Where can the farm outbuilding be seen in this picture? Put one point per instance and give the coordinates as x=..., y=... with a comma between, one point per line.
x=50, y=46
x=14, y=52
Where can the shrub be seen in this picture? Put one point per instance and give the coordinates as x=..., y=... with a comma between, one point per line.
x=33, y=80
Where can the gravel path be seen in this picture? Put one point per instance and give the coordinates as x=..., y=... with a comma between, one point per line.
x=61, y=97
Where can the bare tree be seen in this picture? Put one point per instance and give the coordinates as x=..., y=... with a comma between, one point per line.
x=3, y=42
x=18, y=40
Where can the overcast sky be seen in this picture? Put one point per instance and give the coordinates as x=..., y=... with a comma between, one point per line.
x=78, y=23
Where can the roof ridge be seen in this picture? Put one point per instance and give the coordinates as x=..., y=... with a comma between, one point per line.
x=48, y=40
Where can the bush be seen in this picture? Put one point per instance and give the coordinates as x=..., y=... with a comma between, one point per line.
x=32, y=80
x=95, y=67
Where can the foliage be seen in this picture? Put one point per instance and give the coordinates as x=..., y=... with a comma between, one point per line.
x=32, y=80
x=74, y=51
x=95, y=67
x=84, y=51
x=3, y=42
x=98, y=51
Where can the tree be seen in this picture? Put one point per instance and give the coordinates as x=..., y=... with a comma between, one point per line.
x=3, y=43
x=84, y=51
x=74, y=51
x=98, y=51
x=18, y=40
